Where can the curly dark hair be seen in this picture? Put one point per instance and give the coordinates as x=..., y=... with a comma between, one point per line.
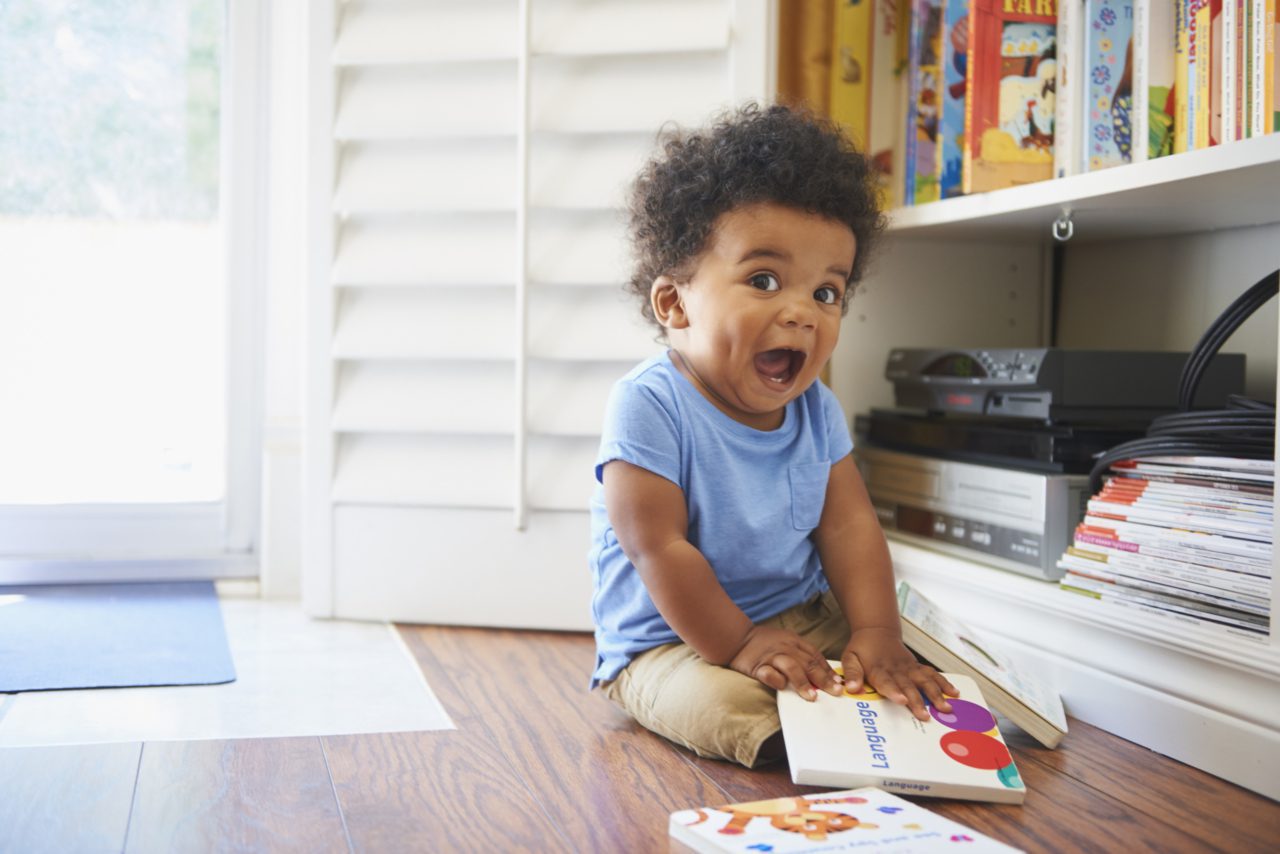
x=779, y=154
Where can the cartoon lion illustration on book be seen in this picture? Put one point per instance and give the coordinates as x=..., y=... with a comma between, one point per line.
x=794, y=815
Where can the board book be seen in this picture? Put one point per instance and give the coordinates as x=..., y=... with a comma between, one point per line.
x=948, y=644
x=865, y=740
x=864, y=819
x=1009, y=98
x=1108, y=75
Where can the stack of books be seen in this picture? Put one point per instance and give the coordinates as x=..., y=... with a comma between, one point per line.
x=1184, y=538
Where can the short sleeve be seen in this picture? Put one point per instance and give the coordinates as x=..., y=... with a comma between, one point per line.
x=839, y=441
x=642, y=429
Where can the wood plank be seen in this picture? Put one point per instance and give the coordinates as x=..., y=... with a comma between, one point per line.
x=1205, y=806
x=73, y=798
x=608, y=783
x=435, y=791
x=271, y=794
x=1061, y=814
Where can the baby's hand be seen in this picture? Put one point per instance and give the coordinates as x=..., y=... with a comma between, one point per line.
x=878, y=656
x=779, y=658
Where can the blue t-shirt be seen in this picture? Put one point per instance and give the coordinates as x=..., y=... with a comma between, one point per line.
x=754, y=498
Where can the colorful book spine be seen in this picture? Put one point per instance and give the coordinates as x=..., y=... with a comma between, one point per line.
x=1257, y=66
x=1217, y=56
x=1250, y=82
x=1068, y=94
x=1009, y=98
x=1108, y=120
x=1271, y=122
x=926, y=100
x=909, y=123
x=1153, y=76
x=955, y=42
x=1201, y=56
x=1182, y=73
x=1224, y=39
x=888, y=97
x=850, y=97
x=1241, y=109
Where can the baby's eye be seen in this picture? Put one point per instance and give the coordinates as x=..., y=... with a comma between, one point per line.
x=765, y=282
x=827, y=295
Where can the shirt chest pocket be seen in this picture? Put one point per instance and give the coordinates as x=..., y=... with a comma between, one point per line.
x=808, y=493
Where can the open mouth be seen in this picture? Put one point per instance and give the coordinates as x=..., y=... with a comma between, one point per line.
x=779, y=366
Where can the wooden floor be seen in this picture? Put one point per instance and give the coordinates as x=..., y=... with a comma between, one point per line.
x=539, y=764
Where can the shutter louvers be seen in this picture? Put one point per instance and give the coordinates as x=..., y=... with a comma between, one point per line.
x=420, y=359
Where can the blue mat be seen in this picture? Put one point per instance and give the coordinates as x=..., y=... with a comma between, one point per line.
x=112, y=636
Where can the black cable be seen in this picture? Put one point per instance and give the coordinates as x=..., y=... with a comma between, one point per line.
x=1245, y=429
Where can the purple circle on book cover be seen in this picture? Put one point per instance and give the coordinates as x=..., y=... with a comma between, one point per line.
x=964, y=716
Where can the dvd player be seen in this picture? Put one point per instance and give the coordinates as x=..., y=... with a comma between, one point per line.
x=1010, y=442
x=1016, y=520
x=1053, y=384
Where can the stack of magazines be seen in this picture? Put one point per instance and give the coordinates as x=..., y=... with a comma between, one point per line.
x=1186, y=538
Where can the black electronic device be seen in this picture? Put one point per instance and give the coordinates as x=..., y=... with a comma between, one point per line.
x=1053, y=384
x=1010, y=442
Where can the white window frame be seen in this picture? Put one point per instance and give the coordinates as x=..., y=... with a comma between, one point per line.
x=105, y=542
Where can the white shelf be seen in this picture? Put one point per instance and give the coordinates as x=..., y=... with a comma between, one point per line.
x=1228, y=186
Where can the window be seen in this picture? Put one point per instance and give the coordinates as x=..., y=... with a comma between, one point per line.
x=125, y=406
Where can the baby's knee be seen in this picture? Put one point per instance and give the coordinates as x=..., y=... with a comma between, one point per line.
x=717, y=712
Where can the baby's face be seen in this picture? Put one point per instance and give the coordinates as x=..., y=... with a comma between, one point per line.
x=761, y=313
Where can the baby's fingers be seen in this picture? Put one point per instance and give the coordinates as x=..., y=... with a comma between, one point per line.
x=770, y=676
x=935, y=686
x=794, y=674
x=822, y=676
x=899, y=688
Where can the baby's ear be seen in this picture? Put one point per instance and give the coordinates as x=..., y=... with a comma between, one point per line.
x=668, y=303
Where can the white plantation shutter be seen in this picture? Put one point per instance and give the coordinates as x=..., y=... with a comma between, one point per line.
x=457, y=382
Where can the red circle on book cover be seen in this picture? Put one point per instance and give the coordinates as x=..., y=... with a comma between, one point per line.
x=975, y=750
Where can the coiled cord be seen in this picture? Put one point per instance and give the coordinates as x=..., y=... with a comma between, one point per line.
x=1246, y=428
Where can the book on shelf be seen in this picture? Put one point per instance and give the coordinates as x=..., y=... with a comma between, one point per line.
x=1109, y=100
x=863, y=739
x=1009, y=97
x=955, y=40
x=885, y=144
x=1198, y=59
x=1184, y=75
x=924, y=72
x=1262, y=50
x=851, y=73
x=1224, y=40
x=950, y=645
x=847, y=820
x=1207, y=77
x=1241, y=45
x=1153, y=74
x=1068, y=112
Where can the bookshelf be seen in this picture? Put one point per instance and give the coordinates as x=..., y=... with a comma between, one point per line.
x=1214, y=217
x=1227, y=186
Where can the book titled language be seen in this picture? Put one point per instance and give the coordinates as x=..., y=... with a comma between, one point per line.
x=864, y=739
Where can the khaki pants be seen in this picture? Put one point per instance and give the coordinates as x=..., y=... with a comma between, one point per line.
x=712, y=710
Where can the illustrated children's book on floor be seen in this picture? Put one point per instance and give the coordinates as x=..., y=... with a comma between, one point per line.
x=865, y=740
x=852, y=820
